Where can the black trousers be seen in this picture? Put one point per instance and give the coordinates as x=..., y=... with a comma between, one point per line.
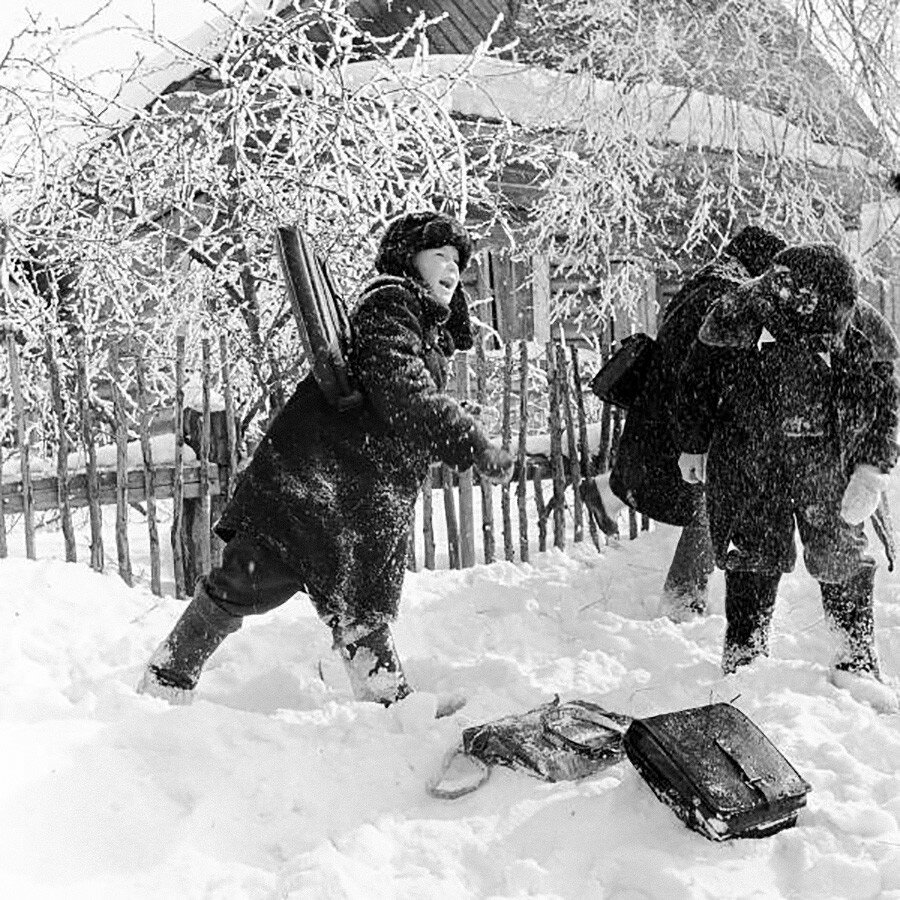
x=251, y=580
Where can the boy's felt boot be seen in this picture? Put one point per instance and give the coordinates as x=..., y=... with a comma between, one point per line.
x=749, y=604
x=370, y=658
x=375, y=672
x=849, y=609
x=174, y=668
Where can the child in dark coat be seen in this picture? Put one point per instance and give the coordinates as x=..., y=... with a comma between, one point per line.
x=645, y=472
x=326, y=503
x=788, y=409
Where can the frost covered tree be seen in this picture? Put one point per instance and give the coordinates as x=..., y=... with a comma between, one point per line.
x=699, y=117
x=164, y=214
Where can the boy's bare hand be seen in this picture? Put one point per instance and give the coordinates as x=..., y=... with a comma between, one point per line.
x=495, y=464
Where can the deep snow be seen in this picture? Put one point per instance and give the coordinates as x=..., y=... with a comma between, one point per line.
x=274, y=784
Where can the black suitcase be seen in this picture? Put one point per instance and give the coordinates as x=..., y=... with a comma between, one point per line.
x=717, y=771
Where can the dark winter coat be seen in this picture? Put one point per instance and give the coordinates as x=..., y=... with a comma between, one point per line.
x=645, y=472
x=753, y=406
x=333, y=493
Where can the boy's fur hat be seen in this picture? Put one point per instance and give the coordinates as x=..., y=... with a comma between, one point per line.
x=754, y=247
x=406, y=235
x=825, y=269
x=808, y=290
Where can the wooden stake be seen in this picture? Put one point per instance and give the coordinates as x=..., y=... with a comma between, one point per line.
x=23, y=440
x=522, y=486
x=149, y=474
x=62, y=455
x=557, y=467
x=466, y=506
x=226, y=484
x=487, y=489
x=537, y=476
x=587, y=467
x=450, y=516
x=574, y=466
x=177, y=533
x=205, y=533
x=87, y=434
x=428, y=520
x=411, y=562
x=606, y=411
x=122, y=550
x=506, y=436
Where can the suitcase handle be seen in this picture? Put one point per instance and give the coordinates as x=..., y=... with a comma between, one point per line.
x=757, y=782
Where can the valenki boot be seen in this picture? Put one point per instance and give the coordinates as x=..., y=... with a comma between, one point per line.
x=850, y=613
x=174, y=668
x=372, y=664
x=686, y=589
x=749, y=604
x=375, y=672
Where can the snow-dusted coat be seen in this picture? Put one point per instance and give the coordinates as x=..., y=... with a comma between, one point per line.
x=332, y=492
x=645, y=472
x=738, y=396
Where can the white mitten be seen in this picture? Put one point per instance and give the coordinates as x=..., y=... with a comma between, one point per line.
x=862, y=494
x=693, y=467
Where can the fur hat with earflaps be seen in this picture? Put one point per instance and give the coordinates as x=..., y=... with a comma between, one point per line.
x=408, y=234
x=808, y=291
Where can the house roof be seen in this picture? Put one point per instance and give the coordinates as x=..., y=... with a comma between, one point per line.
x=799, y=86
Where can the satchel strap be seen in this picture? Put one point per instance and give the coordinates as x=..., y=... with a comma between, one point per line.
x=744, y=762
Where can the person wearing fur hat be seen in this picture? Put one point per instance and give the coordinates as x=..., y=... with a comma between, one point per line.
x=645, y=473
x=325, y=505
x=788, y=408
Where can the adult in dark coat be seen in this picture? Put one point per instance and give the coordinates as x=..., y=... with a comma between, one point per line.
x=645, y=473
x=791, y=390
x=326, y=503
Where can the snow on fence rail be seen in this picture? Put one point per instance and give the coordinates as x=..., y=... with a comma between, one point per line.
x=163, y=467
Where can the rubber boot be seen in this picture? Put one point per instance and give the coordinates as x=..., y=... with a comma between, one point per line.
x=372, y=664
x=749, y=604
x=849, y=608
x=174, y=668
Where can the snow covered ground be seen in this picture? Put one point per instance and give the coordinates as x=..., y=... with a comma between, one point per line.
x=274, y=784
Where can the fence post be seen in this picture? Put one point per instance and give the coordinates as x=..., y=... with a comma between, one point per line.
x=177, y=533
x=574, y=467
x=122, y=550
x=87, y=434
x=149, y=473
x=556, y=463
x=450, y=516
x=522, y=486
x=62, y=455
x=603, y=450
x=24, y=441
x=226, y=480
x=466, y=510
x=205, y=524
x=487, y=488
x=428, y=518
x=587, y=468
x=506, y=435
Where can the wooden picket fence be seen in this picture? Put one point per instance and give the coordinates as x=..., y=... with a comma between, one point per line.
x=193, y=487
x=198, y=489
